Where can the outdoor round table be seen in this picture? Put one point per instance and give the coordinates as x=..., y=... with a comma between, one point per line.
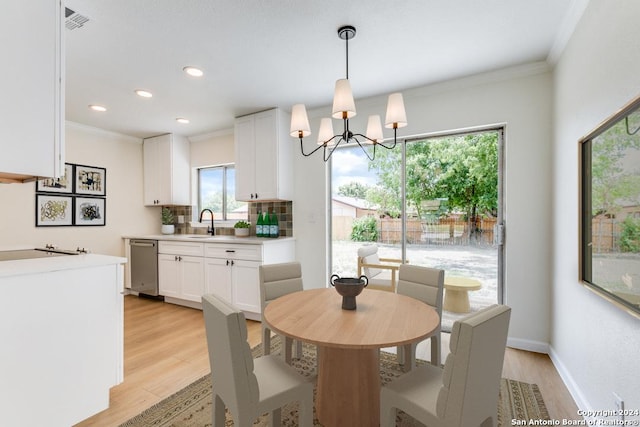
x=348, y=343
x=456, y=296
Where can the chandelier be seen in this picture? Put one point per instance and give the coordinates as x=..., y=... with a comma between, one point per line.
x=344, y=108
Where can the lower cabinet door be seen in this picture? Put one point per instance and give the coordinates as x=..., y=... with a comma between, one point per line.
x=246, y=285
x=191, y=278
x=217, y=276
x=168, y=276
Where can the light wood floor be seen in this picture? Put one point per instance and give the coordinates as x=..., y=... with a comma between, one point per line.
x=165, y=349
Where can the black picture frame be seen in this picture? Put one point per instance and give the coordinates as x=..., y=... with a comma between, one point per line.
x=63, y=185
x=89, y=211
x=54, y=210
x=90, y=180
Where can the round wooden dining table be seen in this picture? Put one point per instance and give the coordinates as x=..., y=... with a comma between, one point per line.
x=348, y=343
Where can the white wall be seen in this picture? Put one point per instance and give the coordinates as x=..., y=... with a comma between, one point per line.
x=125, y=213
x=595, y=344
x=521, y=98
x=212, y=149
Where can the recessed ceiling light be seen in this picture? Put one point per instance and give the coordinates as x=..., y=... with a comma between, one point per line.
x=193, y=71
x=182, y=120
x=144, y=93
x=98, y=108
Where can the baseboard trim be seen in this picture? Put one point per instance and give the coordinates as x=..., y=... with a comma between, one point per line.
x=569, y=382
x=528, y=345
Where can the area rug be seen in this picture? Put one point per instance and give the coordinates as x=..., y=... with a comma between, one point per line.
x=191, y=406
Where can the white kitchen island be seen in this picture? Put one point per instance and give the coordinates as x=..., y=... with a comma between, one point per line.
x=61, y=331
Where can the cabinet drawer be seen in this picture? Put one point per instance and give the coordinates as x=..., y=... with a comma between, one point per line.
x=231, y=251
x=181, y=248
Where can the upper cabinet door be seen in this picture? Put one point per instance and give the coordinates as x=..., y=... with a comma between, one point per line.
x=244, y=134
x=32, y=79
x=166, y=170
x=264, y=168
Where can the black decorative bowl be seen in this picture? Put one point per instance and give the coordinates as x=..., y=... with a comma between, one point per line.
x=349, y=288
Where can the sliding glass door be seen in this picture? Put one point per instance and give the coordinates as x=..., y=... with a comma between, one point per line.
x=433, y=201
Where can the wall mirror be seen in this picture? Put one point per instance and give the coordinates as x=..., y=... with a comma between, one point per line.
x=610, y=208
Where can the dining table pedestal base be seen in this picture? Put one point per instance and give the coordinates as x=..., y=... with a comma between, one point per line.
x=348, y=387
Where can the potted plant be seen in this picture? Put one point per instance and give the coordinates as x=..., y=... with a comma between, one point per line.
x=167, y=221
x=241, y=228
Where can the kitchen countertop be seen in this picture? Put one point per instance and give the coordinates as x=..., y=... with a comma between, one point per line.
x=45, y=265
x=204, y=238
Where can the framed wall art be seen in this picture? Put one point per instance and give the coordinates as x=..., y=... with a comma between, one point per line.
x=89, y=211
x=90, y=180
x=63, y=184
x=52, y=210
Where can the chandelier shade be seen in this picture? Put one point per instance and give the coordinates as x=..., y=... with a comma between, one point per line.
x=299, y=122
x=325, y=132
x=396, y=116
x=374, y=129
x=343, y=105
x=344, y=108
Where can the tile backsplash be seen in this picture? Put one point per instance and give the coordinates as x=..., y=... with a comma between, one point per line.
x=283, y=209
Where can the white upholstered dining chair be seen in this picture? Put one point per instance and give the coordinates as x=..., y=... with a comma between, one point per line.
x=381, y=272
x=427, y=285
x=465, y=392
x=248, y=387
x=277, y=280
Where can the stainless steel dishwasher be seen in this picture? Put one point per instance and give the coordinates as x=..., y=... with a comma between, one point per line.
x=144, y=266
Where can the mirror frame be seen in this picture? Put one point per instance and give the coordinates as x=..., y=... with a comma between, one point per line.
x=585, y=214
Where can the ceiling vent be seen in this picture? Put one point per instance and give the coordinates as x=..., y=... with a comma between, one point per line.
x=74, y=20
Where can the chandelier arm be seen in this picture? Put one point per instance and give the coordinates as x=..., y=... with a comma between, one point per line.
x=388, y=147
x=331, y=150
x=308, y=154
x=629, y=132
x=392, y=146
x=364, y=149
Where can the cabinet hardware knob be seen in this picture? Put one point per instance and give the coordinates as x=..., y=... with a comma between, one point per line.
x=227, y=262
x=230, y=251
x=232, y=262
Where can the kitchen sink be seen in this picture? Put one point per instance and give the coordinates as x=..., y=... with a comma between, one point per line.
x=199, y=237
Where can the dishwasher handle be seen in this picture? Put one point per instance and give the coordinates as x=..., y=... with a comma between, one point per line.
x=143, y=244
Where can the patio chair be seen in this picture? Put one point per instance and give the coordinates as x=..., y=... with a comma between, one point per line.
x=381, y=272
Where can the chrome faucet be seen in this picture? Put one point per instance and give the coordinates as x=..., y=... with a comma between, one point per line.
x=210, y=230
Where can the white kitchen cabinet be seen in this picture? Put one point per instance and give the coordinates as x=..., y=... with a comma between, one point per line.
x=228, y=269
x=245, y=282
x=231, y=271
x=217, y=277
x=235, y=281
x=166, y=170
x=181, y=271
x=32, y=101
x=62, y=329
x=264, y=156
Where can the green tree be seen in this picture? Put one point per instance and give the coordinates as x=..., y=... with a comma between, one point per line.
x=354, y=189
x=463, y=170
x=611, y=181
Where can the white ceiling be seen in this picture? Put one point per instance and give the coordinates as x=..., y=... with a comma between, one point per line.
x=258, y=54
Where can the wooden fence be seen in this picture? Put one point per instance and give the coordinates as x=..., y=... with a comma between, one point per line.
x=447, y=231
